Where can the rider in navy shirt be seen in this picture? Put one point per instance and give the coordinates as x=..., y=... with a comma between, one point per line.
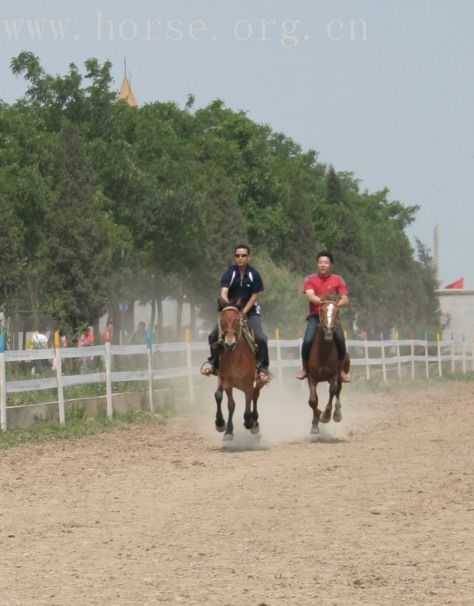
x=242, y=283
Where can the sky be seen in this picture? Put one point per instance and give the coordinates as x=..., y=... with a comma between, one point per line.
x=382, y=88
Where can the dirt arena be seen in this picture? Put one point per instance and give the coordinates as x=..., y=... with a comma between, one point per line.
x=377, y=511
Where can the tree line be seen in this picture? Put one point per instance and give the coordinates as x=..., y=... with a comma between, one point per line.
x=103, y=205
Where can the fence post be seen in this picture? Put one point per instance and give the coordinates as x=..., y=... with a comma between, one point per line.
x=382, y=349
x=300, y=343
x=463, y=356
x=149, y=345
x=189, y=364
x=398, y=357
x=59, y=378
x=427, y=362
x=108, y=379
x=440, y=366
x=278, y=349
x=366, y=353
x=3, y=385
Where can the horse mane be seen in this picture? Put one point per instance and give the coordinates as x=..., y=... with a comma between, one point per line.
x=331, y=295
x=221, y=304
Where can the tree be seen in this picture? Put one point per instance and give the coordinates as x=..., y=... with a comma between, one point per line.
x=77, y=272
x=10, y=256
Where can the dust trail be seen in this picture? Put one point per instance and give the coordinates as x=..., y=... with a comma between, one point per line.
x=284, y=417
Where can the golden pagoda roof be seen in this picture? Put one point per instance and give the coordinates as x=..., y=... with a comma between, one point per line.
x=126, y=93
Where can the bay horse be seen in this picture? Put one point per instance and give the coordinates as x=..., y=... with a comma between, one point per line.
x=237, y=363
x=324, y=364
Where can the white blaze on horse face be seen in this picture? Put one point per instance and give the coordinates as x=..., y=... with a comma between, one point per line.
x=331, y=315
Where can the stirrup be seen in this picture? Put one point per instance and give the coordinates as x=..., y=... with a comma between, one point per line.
x=207, y=369
x=344, y=376
x=263, y=375
x=302, y=374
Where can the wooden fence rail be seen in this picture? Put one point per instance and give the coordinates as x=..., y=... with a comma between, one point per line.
x=390, y=359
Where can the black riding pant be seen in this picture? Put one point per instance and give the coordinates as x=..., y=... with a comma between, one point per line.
x=310, y=333
x=255, y=323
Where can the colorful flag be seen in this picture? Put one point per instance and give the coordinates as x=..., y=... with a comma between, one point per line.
x=456, y=284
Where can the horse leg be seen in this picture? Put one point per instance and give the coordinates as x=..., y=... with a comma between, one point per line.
x=333, y=385
x=248, y=418
x=256, y=393
x=337, y=416
x=220, y=422
x=229, y=430
x=313, y=403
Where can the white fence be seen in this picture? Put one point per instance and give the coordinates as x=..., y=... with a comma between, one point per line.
x=385, y=360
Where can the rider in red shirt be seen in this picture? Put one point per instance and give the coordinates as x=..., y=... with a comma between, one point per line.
x=315, y=286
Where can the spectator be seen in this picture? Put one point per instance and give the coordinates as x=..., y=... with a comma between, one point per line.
x=38, y=341
x=108, y=332
x=139, y=336
x=86, y=339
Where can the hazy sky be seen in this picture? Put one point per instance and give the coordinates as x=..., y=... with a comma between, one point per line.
x=381, y=88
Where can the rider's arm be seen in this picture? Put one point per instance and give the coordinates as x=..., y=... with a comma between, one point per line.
x=225, y=293
x=343, y=301
x=250, y=303
x=312, y=296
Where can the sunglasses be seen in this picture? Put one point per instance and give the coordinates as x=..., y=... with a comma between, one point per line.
x=241, y=256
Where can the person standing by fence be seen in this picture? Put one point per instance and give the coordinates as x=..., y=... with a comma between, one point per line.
x=38, y=341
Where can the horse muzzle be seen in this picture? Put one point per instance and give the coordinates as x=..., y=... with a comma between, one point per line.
x=328, y=334
x=230, y=346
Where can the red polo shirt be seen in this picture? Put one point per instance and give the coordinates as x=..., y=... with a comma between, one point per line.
x=321, y=285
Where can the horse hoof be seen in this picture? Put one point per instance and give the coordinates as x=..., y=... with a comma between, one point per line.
x=255, y=429
x=228, y=437
x=337, y=416
x=220, y=428
x=325, y=418
x=314, y=429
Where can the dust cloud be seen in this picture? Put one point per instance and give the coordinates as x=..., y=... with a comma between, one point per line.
x=284, y=416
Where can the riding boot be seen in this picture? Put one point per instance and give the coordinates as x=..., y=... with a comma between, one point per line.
x=303, y=372
x=345, y=376
x=211, y=367
x=263, y=375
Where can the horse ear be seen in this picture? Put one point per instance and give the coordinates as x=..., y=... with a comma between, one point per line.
x=236, y=303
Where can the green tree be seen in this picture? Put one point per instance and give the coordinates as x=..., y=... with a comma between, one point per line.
x=77, y=252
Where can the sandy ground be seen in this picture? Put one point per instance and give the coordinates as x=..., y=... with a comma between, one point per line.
x=378, y=511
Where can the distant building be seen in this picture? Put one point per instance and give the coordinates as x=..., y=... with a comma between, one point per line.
x=126, y=93
x=457, y=308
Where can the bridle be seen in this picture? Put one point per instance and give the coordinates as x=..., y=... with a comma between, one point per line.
x=225, y=330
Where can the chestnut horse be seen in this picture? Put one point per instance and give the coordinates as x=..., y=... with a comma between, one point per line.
x=236, y=369
x=324, y=363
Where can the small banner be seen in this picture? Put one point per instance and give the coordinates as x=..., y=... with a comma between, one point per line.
x=456, y=284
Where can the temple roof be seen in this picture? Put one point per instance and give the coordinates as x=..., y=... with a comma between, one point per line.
x=126, y=93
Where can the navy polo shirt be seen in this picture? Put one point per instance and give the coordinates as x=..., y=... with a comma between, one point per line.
x=242, y=286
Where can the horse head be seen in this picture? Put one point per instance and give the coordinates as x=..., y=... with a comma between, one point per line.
x=329, y=314
x=230, y=327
